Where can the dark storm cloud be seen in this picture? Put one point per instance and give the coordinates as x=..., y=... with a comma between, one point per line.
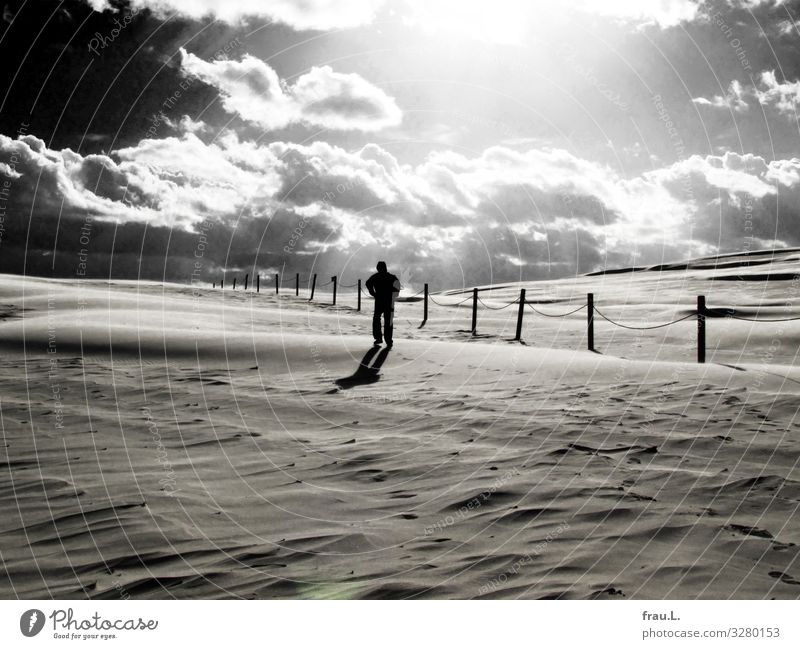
x=90, y=100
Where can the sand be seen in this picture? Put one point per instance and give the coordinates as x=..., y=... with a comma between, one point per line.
x=164, y=441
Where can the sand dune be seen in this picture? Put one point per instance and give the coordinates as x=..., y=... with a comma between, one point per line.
x=165, y=441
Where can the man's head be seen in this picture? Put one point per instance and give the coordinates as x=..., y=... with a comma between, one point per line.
x=381, y=267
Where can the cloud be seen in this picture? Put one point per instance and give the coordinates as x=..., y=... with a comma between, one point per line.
x=321, y=97
x=737, y=198
x=173, y=182
x=783, y=96
x=512, y=22
x=504, y=23
x=342, y=101
x=7, y=171
x=734, y=99
x=788, y=27
x=730, y=172
x=665, y=13
x=503, y=210
x=306, y=15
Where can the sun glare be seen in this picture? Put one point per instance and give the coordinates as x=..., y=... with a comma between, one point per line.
x=511, y=21
x=505, y=22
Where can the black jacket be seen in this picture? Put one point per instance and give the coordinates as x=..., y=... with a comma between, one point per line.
x=383, y=287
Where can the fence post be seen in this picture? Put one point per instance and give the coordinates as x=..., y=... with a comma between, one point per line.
x=234, y=283
x=590, y=321
x=297, y=283
x=313, y=286
x=474, y=311
x=425, y=307
x=246, y=279
x=258, y=283
x=213, y=285
x=277, y=283
x=222, y=283
x=333, y=279
x=520, y=314
x=701, y=328
x=359, y=296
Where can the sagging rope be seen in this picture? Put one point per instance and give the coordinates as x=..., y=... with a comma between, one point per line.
x=658, y=326
x=555, y=315
x=498, y=308
x=736, y=317
x=467, y=299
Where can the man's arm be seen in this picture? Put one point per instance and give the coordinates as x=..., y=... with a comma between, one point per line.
x=370, y=284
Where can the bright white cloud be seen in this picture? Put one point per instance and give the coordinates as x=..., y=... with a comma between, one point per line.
x=321, y=97
x=7, y=171
x=520, y=200
x=508, y=21
x=505, y=21
x=783, y=96
x=175, y=182
x=735, y=98
x=665, y=13
x=305, y=15
x=788, y=27
x=731, y=172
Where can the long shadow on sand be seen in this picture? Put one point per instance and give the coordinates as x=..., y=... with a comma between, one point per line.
x=365, y=373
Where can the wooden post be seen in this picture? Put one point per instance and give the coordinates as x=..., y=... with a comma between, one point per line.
x=590, y=321
x=333, y=279
x=258, y=283
x=277, y=283
x=474, y=311
x=359, y=296
x=213, y=285
x=313, y=286
x=246, y=279
x=520, y=314
x=425, y=306
x=222, y=283
x=701, y=328
x=297, y=283
x=234, y=283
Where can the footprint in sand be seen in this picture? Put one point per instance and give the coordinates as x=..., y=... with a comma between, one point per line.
x=749, y=531
x=607, y=592
x=786, y=579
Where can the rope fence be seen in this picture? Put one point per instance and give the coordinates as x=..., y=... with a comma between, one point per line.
x=645, y=328
x=736, y=317
x=701, y=312
x=556, y=315
x=467, y=299
x=497, y=308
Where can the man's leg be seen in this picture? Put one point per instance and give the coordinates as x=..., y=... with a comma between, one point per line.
x=388, y=318
x=376, y=325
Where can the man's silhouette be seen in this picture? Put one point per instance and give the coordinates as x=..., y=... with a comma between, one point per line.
x=384, y=287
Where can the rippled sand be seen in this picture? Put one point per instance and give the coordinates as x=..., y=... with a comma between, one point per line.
x=160, y=442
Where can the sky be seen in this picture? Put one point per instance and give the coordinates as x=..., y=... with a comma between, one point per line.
x=464, y=142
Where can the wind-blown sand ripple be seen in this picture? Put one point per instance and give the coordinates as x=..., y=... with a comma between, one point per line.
x=162, y=452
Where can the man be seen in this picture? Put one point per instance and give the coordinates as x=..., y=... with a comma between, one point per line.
x=384, y=287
